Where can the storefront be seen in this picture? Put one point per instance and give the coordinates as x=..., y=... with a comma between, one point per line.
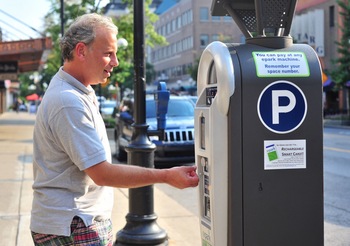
x=19, y=57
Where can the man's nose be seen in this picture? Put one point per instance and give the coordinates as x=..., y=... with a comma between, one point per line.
x=114, y=62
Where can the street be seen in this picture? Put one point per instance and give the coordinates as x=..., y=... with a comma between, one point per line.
x=177, y=210
x=337, y=186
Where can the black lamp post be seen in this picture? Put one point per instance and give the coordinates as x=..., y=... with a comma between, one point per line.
x=62, y=23
x=141, y=227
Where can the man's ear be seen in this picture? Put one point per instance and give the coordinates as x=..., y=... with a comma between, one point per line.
x=80, y=50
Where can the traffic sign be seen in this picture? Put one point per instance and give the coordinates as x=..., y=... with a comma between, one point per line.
x=282, y=107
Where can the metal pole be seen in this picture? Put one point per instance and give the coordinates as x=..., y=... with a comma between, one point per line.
x=62, y=24
x=141, y=227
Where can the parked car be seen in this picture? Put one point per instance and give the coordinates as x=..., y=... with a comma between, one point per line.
x=178, y=145
x=23, y=108
x=108, y=107
x=101, y=99
x=193, y=99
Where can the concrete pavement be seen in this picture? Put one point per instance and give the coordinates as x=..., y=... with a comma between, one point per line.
x=176, y=209
x=15, y=177
x=177, y=218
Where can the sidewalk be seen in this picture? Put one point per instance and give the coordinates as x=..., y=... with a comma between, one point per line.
x=175, y=209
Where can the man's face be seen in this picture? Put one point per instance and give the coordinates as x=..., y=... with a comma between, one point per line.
x=101, y=57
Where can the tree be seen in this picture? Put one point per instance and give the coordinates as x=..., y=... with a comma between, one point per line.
x=123, y=74
x=52, y=25
x=193, y=70
x=341, y=74
x=150, y=73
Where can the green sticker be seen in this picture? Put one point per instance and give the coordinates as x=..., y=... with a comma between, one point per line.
x=281, y=64
x=271, y=152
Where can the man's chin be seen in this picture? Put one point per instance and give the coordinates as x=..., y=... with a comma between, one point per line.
x=104, y=81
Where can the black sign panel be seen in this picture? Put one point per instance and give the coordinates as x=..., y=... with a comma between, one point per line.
x=2, y=84
x=8, y=67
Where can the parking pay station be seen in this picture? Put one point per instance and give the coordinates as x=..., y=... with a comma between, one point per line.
x=258, y=133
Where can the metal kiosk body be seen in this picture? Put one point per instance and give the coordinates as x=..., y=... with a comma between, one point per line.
x=259, y=134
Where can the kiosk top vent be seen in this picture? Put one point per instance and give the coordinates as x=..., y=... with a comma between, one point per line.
x=258, y=17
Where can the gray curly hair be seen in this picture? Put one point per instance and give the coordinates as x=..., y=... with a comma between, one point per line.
x=83, y=29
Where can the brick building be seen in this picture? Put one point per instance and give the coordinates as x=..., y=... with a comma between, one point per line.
x=316, y=23
x=188, y=27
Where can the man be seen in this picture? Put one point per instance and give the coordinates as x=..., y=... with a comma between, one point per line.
x=73, y=174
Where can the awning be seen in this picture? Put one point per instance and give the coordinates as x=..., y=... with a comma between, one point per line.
x=328, y=82
x=324, y=77
x=30, y=54
x=32, y=97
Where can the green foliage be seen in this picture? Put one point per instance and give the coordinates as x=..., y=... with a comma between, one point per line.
x=109, y=122
x=53, y=29
x=193, y=70
x=341, y=74
x=23, y=86
x=150, y=73
x=123, y=74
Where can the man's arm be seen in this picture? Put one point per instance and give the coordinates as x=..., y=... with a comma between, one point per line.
x=128, y=176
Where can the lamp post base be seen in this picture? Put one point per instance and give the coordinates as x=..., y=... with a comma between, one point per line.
x=141, y=230
x=141, y=222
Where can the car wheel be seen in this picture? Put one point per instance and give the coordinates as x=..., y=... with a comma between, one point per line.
x=120, y=153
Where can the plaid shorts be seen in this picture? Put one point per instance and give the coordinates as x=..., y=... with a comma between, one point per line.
x=97, y=234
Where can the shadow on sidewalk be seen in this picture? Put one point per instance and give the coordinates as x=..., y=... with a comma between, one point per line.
x=17, y=122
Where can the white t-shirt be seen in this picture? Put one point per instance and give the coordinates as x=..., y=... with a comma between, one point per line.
x=69, y=137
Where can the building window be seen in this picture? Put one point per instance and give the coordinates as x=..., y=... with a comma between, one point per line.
x=173, y=25
x=331, y=16
x=204, y=14
x=215, y=37
x=178, y=46
x=184, y=69
x=173, y=49
x=178, y=70
x=179, y=22
x=190, y=42
x=190, y=16
x=204, y=40
x=184, y=44
x=168, y=28
x=184, y=19
x=168, y=51
x=163, y=53
x=215, y=18
x=187, y=17
x=227, y=18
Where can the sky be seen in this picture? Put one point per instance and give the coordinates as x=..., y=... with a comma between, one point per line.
x=31, y=12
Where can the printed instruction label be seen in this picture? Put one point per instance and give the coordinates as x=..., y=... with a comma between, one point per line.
x=206, y=236
x=284, y=154
x=281, y=64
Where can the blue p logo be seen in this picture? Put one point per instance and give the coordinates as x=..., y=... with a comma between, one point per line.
x=282, y=107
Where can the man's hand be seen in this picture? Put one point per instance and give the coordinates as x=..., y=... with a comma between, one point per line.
x=182, y=177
